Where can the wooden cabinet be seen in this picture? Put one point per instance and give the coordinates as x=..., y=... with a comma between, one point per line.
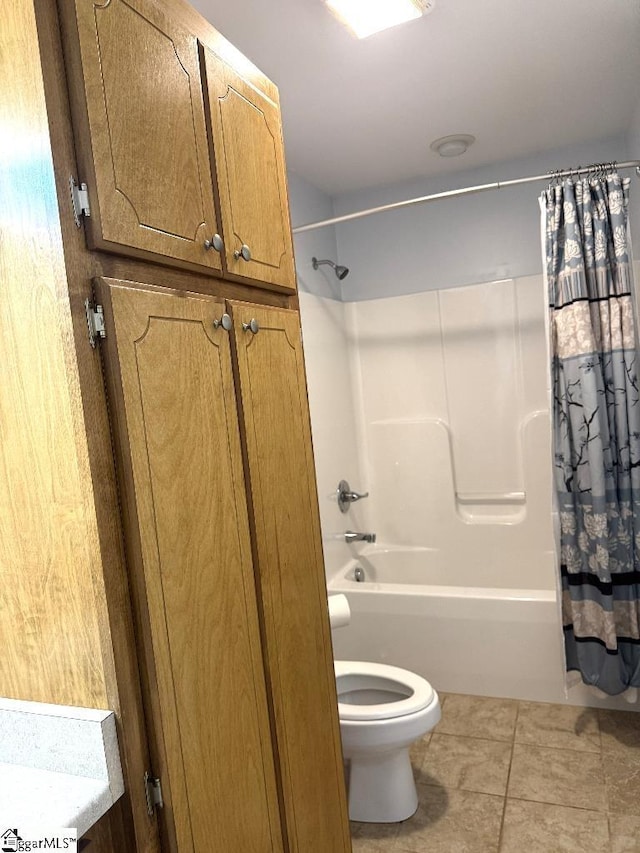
x=171, y=388
x=291, y=578
x=249, y=164
x=161, y=535
x=142, y=123
x=139, y=108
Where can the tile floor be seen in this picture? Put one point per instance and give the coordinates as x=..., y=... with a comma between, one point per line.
x=520, y=777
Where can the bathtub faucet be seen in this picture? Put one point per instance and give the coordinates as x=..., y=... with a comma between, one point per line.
x=350, y=536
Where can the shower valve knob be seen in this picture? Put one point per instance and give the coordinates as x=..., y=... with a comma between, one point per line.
x=244, y=253
x=346, y=496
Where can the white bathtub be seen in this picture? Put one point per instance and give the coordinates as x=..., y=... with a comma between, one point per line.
x=416, y=611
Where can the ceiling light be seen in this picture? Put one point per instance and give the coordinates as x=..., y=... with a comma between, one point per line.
x=365, y=17
x=452, y=146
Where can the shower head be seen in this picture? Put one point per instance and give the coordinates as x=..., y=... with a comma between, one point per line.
x=340, y=271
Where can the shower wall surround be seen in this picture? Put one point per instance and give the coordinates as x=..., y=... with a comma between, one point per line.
x=454, y=426
x=331, y=401
x=329, y=377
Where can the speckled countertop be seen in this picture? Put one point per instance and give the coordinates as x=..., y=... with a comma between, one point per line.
x=59, y=765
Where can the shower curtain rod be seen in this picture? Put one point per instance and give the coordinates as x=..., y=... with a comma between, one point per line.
x=496, y=185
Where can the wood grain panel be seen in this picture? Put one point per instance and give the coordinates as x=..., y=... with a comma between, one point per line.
x=178, y=434
x=49, y=632
x=193, y=21
x=108, y=835
x=113, y=266
x=251, y=179
x=291, y=577
x=113, y=604
x=144, y=109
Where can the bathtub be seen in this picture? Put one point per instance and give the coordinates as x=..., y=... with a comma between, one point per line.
x=456, y=625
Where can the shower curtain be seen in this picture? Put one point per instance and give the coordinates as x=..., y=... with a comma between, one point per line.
x=596, y=427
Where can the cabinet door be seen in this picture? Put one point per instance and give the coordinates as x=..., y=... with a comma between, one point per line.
x=175, y=423
x=251, y=180
x=291, y=577
x=142, y=117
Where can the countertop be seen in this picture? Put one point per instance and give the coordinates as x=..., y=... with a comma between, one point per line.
x=59, y=765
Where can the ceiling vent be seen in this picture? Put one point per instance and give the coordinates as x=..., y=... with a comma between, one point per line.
x=452, y=146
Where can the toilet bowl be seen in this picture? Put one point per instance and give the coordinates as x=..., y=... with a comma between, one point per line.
x=383, y=709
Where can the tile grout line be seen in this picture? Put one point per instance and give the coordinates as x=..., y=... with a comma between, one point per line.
x=609, y=831
x=504, y=805
x=535, y=744
x=604, y=779
x=475, y=737
x=560, y=748
x=561, y=805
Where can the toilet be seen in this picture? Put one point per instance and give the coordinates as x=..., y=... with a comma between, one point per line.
x=383, y=709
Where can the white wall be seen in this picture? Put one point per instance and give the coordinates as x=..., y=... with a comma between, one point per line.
x=492, y=235
x=633, y=146
x=309, y=204
x=327, y=349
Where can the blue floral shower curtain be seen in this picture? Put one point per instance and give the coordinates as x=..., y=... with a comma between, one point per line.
x=596, y=427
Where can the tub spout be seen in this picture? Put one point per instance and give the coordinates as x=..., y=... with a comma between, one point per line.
x=350, y=536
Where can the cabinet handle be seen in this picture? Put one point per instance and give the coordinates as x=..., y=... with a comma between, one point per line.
x=251, y=326
x=224, y=321
x=243, y=252
x=215, y=242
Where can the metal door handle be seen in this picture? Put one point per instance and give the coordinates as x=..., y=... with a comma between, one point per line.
x=224, y=321
x=244, y=253
x=251, y=326
x=215, y=242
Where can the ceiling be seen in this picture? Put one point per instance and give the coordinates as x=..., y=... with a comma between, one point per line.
x=521, y=76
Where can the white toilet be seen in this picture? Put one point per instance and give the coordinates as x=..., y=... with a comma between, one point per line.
x=383, y=710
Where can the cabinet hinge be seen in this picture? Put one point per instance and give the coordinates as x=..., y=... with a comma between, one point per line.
x=79, y=200
x=95, y=322
x=153, y=792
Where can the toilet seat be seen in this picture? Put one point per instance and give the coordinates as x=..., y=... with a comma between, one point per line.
x=379, y=681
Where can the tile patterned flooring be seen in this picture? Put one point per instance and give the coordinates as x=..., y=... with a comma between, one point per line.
x=502, y=776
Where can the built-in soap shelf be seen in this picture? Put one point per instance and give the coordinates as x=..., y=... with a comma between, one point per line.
x=491, y=497
x=491, y=507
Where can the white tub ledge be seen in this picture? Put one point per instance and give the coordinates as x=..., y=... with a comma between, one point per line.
x=59, y=765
